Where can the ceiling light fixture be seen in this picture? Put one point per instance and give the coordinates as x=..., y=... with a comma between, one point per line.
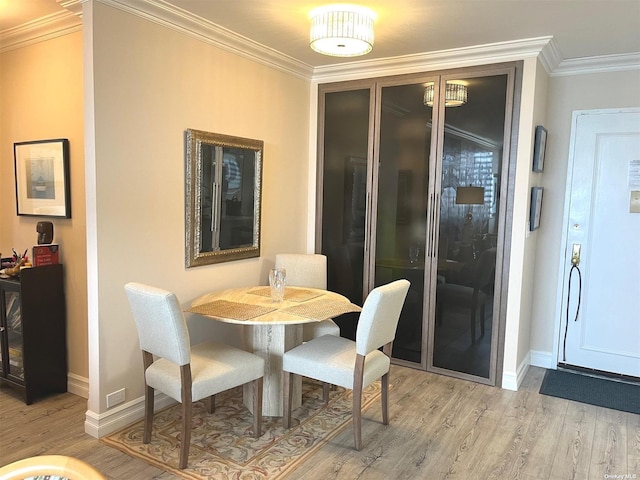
x=342, y=30
x=455, y=94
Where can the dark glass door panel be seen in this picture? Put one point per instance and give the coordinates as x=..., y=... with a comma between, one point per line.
x=402, y=194
x=468, y=227
x=344, y=195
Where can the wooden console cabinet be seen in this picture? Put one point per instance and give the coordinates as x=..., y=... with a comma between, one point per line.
x=33, y=346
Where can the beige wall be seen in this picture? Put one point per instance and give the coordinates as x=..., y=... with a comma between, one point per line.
x=566, y=94
x=41, y=98
x=149, y=84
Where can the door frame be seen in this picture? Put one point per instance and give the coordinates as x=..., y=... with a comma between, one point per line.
x=564, y=263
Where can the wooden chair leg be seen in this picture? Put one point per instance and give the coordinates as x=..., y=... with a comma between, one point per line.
x=148, y=414
x=357, y=402
x=325, y=392
x=257, y=407
x=186, y=396
x=147, y=360
x=385, y=398
x=211, y=404
x=286, y=399
x=186, y=435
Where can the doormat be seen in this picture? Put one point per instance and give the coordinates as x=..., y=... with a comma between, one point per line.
x=592, y=390
x=222, y=445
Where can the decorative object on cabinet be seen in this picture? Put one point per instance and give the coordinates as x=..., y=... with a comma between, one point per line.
x=33, y=351
x=46, y=254
x=536, y=208
x=14, y=264
x=223, y=191
x=539, y=148
x=42, y=178
x=45, y=232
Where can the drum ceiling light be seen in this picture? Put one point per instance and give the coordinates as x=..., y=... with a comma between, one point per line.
x=455, y=94
x=342, y=30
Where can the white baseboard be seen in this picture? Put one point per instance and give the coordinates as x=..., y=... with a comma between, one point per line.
x=535, y=358
x=78, y=385
x=543, y=359
x=512, y=380
x=100, y=424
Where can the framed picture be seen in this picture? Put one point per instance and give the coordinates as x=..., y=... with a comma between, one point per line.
x=536, y=208
x=42, y=178
x=539, y=148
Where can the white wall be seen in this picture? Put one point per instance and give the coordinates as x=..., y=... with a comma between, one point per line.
x=566, y=94
x=149, y=84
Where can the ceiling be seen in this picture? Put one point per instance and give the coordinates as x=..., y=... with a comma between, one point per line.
x=580, y=28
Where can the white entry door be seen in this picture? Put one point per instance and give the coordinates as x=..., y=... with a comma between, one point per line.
x=603, y=218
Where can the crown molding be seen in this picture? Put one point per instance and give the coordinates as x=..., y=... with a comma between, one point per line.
x=602, y=64
x=45, y=28
x=438, y=60
x=550, y=56
x=163, y=13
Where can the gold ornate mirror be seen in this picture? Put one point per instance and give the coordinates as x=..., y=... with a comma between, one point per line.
x=223, y=193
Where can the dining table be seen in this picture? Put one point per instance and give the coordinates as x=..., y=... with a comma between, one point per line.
x=272, y=327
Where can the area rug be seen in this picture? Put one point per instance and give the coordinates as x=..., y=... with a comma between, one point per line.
x=222, y=445
x=592, y=390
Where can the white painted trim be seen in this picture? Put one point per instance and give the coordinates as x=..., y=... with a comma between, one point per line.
x=512, y=380
x=101, y=424
x=605, y=63
x=542, y=359
x=443, y=59
x=78, y=385
x=39, y=30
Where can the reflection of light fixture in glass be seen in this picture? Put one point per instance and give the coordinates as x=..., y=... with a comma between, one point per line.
x=455, y=94
x=342, y=30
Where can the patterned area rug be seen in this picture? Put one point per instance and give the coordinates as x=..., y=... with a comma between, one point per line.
x=222, y=445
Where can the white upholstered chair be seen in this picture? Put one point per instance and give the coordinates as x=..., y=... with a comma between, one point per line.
x=308, y=270
x=50, y=466
x=353, y=365
x=183, y=372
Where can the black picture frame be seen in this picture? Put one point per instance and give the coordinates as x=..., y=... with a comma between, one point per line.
x=42, y=178
x=536, y=208
x=539, y=148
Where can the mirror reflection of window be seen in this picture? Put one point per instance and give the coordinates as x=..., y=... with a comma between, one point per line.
x=238, y=178
x=223, y=195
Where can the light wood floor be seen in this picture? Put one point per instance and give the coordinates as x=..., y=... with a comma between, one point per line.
x=439, y=428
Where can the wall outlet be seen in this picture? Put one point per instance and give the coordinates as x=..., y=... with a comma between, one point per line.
x=115, y=398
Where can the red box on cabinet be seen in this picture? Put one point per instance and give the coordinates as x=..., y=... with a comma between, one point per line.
x=47, y=254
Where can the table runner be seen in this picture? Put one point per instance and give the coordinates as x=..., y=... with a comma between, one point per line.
x=227, y=309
